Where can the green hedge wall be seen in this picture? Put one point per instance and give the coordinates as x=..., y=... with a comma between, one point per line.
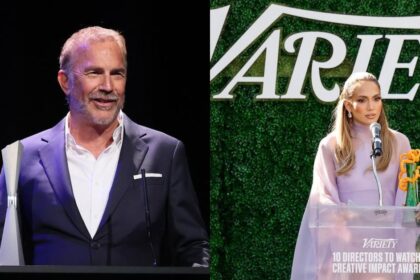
x=262, y=152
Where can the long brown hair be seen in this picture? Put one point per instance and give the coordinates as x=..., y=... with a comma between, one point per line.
x=344, y=150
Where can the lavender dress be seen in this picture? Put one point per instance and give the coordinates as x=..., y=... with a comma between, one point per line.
x=357, y=187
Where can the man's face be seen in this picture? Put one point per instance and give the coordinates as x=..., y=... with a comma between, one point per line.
x=97, y=83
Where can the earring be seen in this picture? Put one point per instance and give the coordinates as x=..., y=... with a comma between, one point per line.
x=349, y=115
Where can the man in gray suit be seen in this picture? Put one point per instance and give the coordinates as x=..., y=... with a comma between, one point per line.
x=97, y=188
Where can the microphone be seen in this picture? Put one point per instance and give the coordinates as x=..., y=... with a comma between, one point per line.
x=375, y=128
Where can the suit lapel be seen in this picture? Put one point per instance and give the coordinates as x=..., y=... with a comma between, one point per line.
x=54, y=161
x=133, y=152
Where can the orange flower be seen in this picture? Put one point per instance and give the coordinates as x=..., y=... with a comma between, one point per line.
x=410, y=157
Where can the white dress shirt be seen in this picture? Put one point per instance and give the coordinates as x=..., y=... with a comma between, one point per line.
x=91, y=178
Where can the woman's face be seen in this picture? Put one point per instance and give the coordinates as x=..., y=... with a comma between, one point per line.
x=365, y=104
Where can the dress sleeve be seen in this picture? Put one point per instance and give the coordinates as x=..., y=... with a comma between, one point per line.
x=324, y=186
x=323, y=191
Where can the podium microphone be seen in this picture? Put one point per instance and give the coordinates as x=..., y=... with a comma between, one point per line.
x=375, y=128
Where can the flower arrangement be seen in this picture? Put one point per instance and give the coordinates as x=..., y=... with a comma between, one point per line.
x=409, y=176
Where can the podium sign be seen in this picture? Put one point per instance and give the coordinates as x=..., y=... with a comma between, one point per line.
x=357, y=242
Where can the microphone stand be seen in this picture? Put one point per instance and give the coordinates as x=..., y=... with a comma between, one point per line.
x=378, y=183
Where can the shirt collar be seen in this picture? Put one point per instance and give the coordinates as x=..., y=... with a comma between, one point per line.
x=117, y=135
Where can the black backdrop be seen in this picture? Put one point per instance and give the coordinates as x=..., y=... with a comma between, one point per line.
x=167, y=87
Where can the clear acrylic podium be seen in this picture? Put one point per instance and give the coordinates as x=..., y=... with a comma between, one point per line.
x=358, y=242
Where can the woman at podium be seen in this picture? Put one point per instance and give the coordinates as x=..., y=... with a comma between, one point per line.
x=343, y=172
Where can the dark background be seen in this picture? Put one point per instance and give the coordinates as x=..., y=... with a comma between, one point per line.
x=167, y=86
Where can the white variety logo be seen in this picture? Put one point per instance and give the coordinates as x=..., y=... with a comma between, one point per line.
x=304, y=55
x=378, y=243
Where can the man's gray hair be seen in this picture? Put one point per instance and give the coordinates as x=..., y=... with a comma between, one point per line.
x=85, y=36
